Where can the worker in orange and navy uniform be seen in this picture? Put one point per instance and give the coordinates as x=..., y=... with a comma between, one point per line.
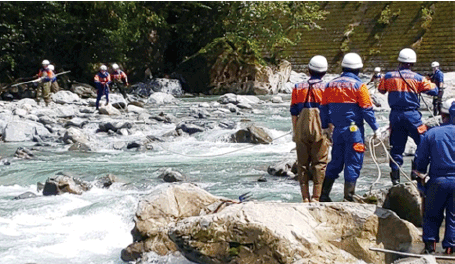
x=102, y=81
x=346, y=103
x=45, y=78
x=404, y=87
x=312, y=146
x=120, y=79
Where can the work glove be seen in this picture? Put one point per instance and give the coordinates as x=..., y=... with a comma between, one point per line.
x=377, y=134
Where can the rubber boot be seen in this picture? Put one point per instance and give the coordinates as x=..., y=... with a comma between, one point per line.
x=317, y=189
x=449, y=250
x=430, y=247
x=304, y=188
x=395, y=176
x=326, y=189
x=349, y=191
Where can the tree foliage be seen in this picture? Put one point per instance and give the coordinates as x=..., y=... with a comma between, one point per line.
x=79, y=36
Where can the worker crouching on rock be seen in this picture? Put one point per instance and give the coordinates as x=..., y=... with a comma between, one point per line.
x=437, y=149
x=346, y=103
x=312, y=146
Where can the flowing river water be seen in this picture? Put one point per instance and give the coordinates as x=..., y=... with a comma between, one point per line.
x=94, y=227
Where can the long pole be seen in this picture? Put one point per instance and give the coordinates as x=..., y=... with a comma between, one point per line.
x=17, y=84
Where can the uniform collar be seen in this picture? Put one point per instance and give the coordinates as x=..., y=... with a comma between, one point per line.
x=350, y=75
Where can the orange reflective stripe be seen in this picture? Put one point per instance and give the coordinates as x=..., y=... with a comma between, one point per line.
x=364, y=97
x=359, y=147
x=422, y=129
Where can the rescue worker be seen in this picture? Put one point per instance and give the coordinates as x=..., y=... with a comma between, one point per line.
x=54, y=84
x=376, y=78
x=312, y=146
x=346, y=104
x=44, y=82
x=120, y=79
x=437, y=149
x=404, y=87
x=438, y=79
x=102, y=81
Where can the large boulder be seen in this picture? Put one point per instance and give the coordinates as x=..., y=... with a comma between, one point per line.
x=83, y=90
x=287, y=167
x=65, y=97
x=109, y=110
x=210, y=229
x=169, y=86
x=73, y=135
x=252, y=134
x=156, y=213
x=23, y=131
x=161, y=98
x=404, y=199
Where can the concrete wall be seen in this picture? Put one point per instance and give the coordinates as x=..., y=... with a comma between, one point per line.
x=356, y=27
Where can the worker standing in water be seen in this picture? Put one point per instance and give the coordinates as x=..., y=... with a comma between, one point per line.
x=346, y=104
x=404, y=87
x=311, y=145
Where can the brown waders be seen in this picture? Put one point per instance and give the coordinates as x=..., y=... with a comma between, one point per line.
x=312, y=153
x=54, y=87
x=44, y=91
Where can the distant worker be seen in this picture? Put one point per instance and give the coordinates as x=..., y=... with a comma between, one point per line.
x=346, y=104
x=120, y=79
x=54, y=84
x=376, y=78
x=437, y=78
x=102, y=81
x=312, y=146
x=44, y=87
x=404, y=87
x=437, y=149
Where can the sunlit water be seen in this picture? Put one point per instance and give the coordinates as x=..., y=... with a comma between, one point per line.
x=94, y=227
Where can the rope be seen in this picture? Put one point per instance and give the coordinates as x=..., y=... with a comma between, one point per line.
x=383, y=250
x=222, y=154
x=373, y=156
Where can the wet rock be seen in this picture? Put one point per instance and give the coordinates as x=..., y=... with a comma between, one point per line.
x=135, y=109
x=20, y=112
x=425, y=259
x=231, y=107
x=251, y=134
x=5, y=162
x=200, y=113
x=107, y=181
x=25, y=195
x=404, y=199
x=228, y=98
x=248, y=99
x=262, y=179
x=114, y=126
x=244, y=106
x=78, y=146
x=189, y=128
x=169, y=175
x=64, y=111
x=64, y=184
x=287, y=167
x=23, y=153
x=65, y=97
x=132, y=145
x=227, y=124
x=119, y=145
x=39, y=186
x=166, y=118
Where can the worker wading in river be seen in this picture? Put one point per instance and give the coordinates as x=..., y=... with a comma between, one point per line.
x=312, y=146
x=346, y=103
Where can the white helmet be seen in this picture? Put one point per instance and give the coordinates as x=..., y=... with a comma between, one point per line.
x=434, y=64
x=103, y=68
x=407, y=56
x=318, y=64
x=352, y=61
x=377, y=69
x=51, y=67
x=115, y=66
x=446, y=105
x=45, y=62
